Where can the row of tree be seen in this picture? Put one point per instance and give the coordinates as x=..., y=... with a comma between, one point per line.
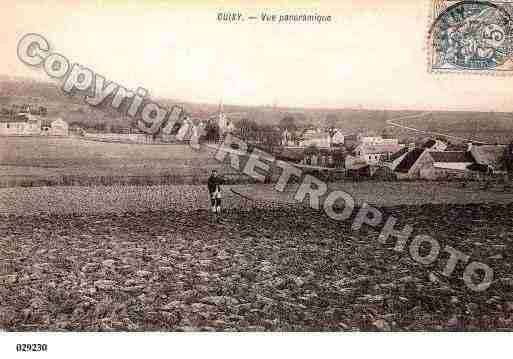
x=265, y=135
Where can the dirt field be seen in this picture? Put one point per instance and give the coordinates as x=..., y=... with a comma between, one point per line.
x=187, y=198
x=284, y=269
x=152, y=258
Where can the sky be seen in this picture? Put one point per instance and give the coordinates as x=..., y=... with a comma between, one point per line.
x=371, y=55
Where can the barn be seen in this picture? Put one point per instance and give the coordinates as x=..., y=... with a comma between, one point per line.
x=447, y=164
x=432, y=165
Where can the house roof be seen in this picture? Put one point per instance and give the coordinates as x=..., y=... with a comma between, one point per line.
x=292, y=154
x=60, y=120
x=451, y=156
x=338, y=133
x=488, y=155
x=311, y=135
x=398, y=154
x=429, y=143
x=380, y=148
x=409, y=160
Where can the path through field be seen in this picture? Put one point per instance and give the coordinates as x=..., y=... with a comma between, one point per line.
x=394, y=123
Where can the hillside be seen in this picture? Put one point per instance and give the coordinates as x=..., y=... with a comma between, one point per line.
x=491, y=127
x=485, y=126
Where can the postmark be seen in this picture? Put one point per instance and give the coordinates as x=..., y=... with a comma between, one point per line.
x=471, y=37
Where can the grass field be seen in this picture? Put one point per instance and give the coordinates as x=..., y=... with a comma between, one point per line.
x=485, y=127
x=72, y=151
x=40, y=161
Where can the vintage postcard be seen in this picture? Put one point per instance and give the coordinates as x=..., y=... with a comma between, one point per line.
x=171, y=167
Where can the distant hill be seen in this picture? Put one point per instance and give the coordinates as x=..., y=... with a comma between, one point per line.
x=492, y=127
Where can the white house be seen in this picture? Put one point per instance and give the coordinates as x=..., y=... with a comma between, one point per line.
x=58, y=127
x=25, y=124
x=315, y=138
x=488, y=155
x=338, y=138
x=354, y=162
x=373, y=153
x=224, y=124
x=423, y=163
x=447, y=164
x=451, y=160
x=21, y=124
x=377, y=140
x=435, y=145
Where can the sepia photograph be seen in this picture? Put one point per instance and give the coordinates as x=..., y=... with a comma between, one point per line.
x=288, y=176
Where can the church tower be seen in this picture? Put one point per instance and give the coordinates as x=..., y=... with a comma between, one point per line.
x=222, y=121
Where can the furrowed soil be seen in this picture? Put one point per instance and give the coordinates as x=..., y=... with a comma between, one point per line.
x=264, y=269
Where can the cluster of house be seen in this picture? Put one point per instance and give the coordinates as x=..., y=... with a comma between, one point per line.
x=135, y=135
x=432, y=161
x=365, y=150
x=223, y=123
x=372, y=150
x=312, y=137
x=429, y=161
x=24, y=123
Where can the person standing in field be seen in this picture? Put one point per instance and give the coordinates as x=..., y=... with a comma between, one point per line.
x=214, y=189
x=508, y=164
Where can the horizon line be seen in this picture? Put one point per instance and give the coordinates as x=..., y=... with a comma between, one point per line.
x=284, y=107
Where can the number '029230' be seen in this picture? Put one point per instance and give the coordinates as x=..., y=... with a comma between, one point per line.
x=31, y=347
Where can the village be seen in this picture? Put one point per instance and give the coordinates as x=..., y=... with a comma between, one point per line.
x=26, y=121
x=316, y=148
x=369, y=156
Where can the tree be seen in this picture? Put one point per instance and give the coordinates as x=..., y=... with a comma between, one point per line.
x=212, y=132
x=339, y=156
x=312, y=150
x=288, y=123
x=269, y=136
x=507, y=158
x=248, y=129
x=14, y=111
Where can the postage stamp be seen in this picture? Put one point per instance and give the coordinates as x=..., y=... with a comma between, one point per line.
x=471, y=37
